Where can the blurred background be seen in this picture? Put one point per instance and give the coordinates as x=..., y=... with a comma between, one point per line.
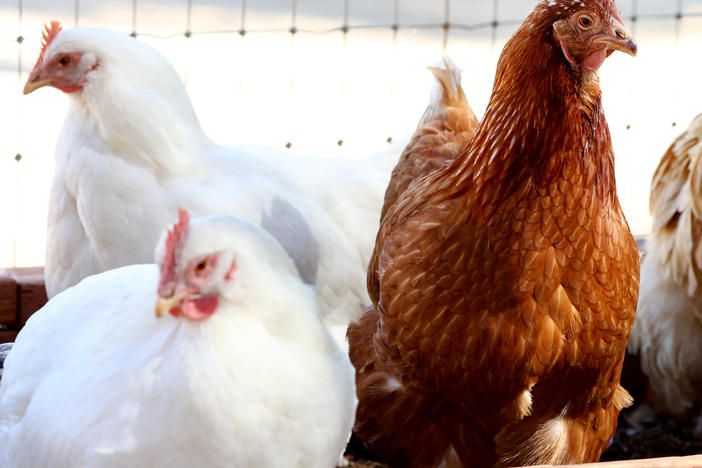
x=331, y=78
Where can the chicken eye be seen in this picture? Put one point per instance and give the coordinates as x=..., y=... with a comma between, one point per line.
x=64, y=61
x=585, y=22
x=201, y=266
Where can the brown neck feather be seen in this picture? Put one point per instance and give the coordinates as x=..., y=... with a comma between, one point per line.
x=543, y=114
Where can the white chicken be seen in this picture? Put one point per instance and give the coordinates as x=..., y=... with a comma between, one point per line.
x=668, y=323
x=131, y=151
x=244, y=373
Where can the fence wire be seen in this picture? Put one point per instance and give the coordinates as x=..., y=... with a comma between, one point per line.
x=345, y=28
x=445, y=28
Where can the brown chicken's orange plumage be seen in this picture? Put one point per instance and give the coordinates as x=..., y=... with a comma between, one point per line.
x=446, y=127
x=504, y=285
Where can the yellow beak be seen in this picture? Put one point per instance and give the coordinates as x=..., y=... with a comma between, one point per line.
x=35, y=82
x=164, y=304
x=620, y=39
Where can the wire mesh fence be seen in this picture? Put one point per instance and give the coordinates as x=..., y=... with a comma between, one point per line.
x=323, y=77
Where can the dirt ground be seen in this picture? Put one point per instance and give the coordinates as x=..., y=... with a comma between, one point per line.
x=660, y=437
x=643, y=434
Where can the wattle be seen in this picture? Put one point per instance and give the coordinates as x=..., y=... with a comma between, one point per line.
x=200, y=308
x=593, y=61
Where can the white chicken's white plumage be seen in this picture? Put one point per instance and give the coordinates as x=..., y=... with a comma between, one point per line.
x=131, y=152
x=96, y=380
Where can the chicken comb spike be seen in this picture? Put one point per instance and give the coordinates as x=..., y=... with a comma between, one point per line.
x=50, y=32
x=174, y=246
x=568, y=6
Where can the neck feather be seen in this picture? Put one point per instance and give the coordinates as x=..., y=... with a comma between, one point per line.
x=155, y=129
x=543, y=114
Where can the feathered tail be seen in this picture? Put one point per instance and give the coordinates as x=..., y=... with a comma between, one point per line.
x=447, y=125
x=447, y=89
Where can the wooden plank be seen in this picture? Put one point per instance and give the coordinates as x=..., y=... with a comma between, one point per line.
x=8, y=300
x=8, y=336
x=694, y=461
x=31, y=295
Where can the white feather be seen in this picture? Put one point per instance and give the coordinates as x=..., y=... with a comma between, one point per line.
x=96, y=380
x=132, y=152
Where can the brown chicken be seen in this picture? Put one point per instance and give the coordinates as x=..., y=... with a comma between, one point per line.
x=446, y=127
x=504, y=285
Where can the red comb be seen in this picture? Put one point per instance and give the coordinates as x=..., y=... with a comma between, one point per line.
x=50, y=32
x=174, y=245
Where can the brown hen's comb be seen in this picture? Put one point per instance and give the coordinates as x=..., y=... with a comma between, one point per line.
x=174, y=246
x=50, y=32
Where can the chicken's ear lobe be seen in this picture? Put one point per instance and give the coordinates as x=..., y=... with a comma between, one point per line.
x=174, y=247
x=561, y=29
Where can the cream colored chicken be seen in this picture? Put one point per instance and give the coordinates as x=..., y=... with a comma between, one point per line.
x=668, y=322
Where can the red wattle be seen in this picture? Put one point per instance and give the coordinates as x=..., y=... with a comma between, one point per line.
x=68, y=89
x=593, y=61
x=200, y=308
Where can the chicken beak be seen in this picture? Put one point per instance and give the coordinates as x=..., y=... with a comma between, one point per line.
x=620, y=39
x=35, y=82
x=164, y=304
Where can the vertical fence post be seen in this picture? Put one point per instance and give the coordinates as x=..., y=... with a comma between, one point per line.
x=242, y=34
x=345, y=32
x=134, y=18
x=678, y=32
x=188, y=34
x=291, y=82
x=18, y=153
x=393, y=64
x=447, y=24
x=634, y=16
x=495, y=23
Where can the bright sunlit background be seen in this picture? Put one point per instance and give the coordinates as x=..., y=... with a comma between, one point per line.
x=299, y=79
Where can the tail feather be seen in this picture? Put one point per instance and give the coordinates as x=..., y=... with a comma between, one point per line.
x=443, y=131
x=447, y=90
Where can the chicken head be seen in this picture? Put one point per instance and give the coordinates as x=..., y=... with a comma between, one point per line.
x=63, y=69
x=191, y=286
x=592, y=32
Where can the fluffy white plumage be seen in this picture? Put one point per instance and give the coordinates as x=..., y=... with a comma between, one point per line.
x=669, y=316
x=96, y=380
x=132, y=152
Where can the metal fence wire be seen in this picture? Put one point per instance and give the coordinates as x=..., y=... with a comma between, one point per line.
x=344, y=27
x=665, y=14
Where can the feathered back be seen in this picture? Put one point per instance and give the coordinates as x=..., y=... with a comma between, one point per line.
x=446, y=127
x=676, y=207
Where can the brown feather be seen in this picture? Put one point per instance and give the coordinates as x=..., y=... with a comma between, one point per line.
x=446, y=127
x=504, y=284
